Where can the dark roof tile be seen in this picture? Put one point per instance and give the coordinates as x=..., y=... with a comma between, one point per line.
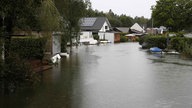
x=93, y=23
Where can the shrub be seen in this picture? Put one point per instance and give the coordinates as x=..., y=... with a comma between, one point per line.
x=14, y=73
x=96, y=37
x=28, y=48
x=14, y=70
x=177, y=43
x=187, y=50
x=182, y=45
x=137, y=39
x=180, y=34
x=141, y=40
x=123, y=39
x=154, y=41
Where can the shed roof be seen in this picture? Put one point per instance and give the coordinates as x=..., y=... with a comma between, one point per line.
x=123, y=29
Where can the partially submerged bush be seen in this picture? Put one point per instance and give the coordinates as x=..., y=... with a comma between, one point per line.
x=187, y=51
x=154, y=41
x=15, y=72
x=177, y=43
x=96, y=37
x=14, y=69
x=182, y=45
x=123, y=39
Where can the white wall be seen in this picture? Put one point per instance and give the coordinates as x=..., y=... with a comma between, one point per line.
x=103, y=27
x=56, y=44
x=108, y=36
x=86, y=35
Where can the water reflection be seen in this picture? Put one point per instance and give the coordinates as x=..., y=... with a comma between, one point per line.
x=110, y=76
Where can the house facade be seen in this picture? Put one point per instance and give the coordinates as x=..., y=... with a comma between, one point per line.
x=112, y=36
x=99, y=26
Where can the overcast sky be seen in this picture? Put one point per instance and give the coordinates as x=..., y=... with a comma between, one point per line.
x=129, y=7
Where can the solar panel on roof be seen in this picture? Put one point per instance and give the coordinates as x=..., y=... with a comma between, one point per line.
x=88, y=21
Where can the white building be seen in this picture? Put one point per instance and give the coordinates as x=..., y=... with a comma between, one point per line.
x=96, y=26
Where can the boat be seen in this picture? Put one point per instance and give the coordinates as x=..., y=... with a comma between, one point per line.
x=64, y=54
x=173, y=52
x=155, y=49
x=55, y=58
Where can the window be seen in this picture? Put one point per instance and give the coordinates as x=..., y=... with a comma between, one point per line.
x=106, y=27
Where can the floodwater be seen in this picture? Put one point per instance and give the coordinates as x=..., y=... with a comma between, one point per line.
x=110, y=76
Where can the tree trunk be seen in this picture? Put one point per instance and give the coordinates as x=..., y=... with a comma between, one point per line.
x=70, y=39
x=3, y=52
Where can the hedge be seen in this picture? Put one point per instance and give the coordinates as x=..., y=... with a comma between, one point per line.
x=28, y=48
x=123, y=39
x=182, y=45
x=154, y=41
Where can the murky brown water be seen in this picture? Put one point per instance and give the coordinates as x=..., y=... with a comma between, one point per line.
x=111, y=76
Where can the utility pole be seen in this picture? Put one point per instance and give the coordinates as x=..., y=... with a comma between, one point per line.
x=152, y=25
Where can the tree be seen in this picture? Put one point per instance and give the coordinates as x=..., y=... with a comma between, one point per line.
x=141, y=21
x=113, y=19
x=49, y=16
x=71, y=12
x=126, y=21
x=175, y=14
x=19, y=14
x=89, y=4
x=117, y=20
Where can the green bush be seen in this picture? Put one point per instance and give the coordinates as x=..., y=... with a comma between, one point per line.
x=154, y=41
x=180, y=34
x=28, y=48
x=16, y=73
x=182, y=45
x=141, y=40
x=177, y=43
x=15, y=70
x=96, y=37
x=187, y=50
x=123, y=39
x=137, y=39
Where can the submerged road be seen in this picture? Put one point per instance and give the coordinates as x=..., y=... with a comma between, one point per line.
x=111, y=76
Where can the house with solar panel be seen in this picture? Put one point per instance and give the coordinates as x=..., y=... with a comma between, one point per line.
x=97, y=26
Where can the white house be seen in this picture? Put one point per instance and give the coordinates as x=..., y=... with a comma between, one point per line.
x=96, y=26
